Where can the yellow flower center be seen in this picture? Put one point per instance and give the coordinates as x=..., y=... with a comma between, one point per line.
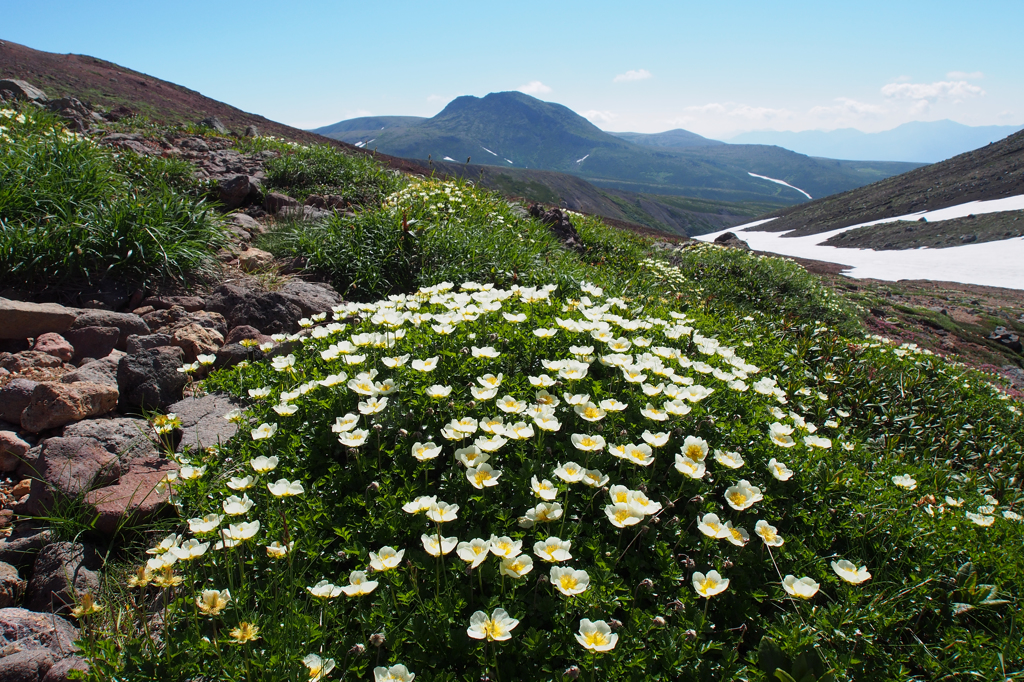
x=482, y=476
x=694, y=452
x=492, y=629
x=622, y=514
x=567, y=581
x=591, y=413
x=707, y=585
x=738, y=498
x=595, y=638
x=768, y=534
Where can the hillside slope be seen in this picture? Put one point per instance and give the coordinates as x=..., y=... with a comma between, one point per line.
x=670, y=139
x=993, y=172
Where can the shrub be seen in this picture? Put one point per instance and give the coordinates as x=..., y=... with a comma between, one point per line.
x=322, y=169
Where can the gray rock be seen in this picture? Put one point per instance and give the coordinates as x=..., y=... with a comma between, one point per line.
x=93, y=342
x=270, y=312
x=126, y=323
x=63, y=572
x=20, y=548
x=150, y=378
x=202, y=421
x=14, y=398
x=303, y=213
x=247, y=223
x=274, y=202
x=215, y=123
x=233, y=353
x=191, y=304
x=21, y=629
x=138, y=343
x=23, y=90
x=312, y=298
x=238, y=190
x=12, y=587
x=28, y=359
x=103, y=371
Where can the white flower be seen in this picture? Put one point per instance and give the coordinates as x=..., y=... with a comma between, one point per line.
x=235, y=505
x=622, y=514
x=905, y=481
x=497, y=627
x=437, y=545
x=425, y=451
x=655, y=440
x=386, y=559
x=505, y=546
x=421, y=503
x=688, y=467
x=438, y=391
x=980, y=519
x=768, y=533
x=345, y=424
x=471, y=456
x=804, y=588
x=732, y=460
x=517, y=566
x=545, y=512
x=358, y=584
x=569, y=581
x=587, y=443
x=205, y=524
x=742, y=495
x=553, y=550
x=325, y=590
x=781, y=434
x=779, y=470
x=473, y=552
x=372, y=405
x=442, y=512
x=849, y=571
x=712, y=526
x=354, y=438
x=427, y=365
x=596, y=635
x=570, y=472
x=264, y=431
x=485, y=352
x=285, y=488
x=483, y=476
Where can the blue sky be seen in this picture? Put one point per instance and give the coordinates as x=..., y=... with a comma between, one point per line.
x=716, y=68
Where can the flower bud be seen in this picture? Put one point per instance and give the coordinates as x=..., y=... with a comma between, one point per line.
x=658, y=621
x=373, y=487
x=572, y=672
x=403, y=433
x=647, y=584
x=727, y=564
x=356, y=650
x=675, y=605
x=377, y=639
x=378, y=427
x=615, y=624
x=690, y=634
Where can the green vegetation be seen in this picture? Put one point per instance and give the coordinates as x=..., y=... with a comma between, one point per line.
x=659, y=422
x=321, y=169
x=72, y=211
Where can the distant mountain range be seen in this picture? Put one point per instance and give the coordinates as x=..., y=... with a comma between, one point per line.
x=921, y=141
x=514, y=130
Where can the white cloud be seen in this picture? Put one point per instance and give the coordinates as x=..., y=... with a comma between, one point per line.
x=965, y=75
x=595, y=116
x=534, y=88
x=633, y=75
x=956, y=91
x=744, y=111
x=847, y=108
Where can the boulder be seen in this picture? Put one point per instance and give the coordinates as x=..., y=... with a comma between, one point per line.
x=1007, y=338
x=150, y=378
x=126, y=323
x=93, y=342
x=61, y=574
x=138, y=343
x=191, y=304
x=311, y=298
x=22, y=630
x=62, y=670
x=31, y=664
x=12, y=587
x=202, y=421
x=56, y=345
x=243, y=332
x=28, y=359
x=14, y=398
x=253, y=259
x=63, y=468
x=274, y=202
x=176, y=317
x=730, y=240
x=23, y=90
x=216, y=124
x=231, y=354
x=19, y=549
x=303, y=213
x=56, y=404
x=196, y=340
x=270, y=312
x=245, y=222
x=238, y=190
x=28, y=320
x=103, y=371
x=12, y=451
x=131, y=440
x=137, y=498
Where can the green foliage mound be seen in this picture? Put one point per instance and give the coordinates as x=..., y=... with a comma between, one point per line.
x=322, y=169
x=664, y=451
x=72, y=211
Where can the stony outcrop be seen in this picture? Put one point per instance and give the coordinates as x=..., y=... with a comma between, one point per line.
x=56, y=404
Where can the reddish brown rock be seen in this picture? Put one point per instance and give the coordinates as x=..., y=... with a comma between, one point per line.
x=136, y=498
x=69, y=466
x=21, y=488
x=11, y=586
x=93, y=342
x=29, y=320
x=29, y=359
x=195, y=340
x=14, y=398
x=12, y=451
x=254, y=259
x=55, y=345
x=54, y=404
